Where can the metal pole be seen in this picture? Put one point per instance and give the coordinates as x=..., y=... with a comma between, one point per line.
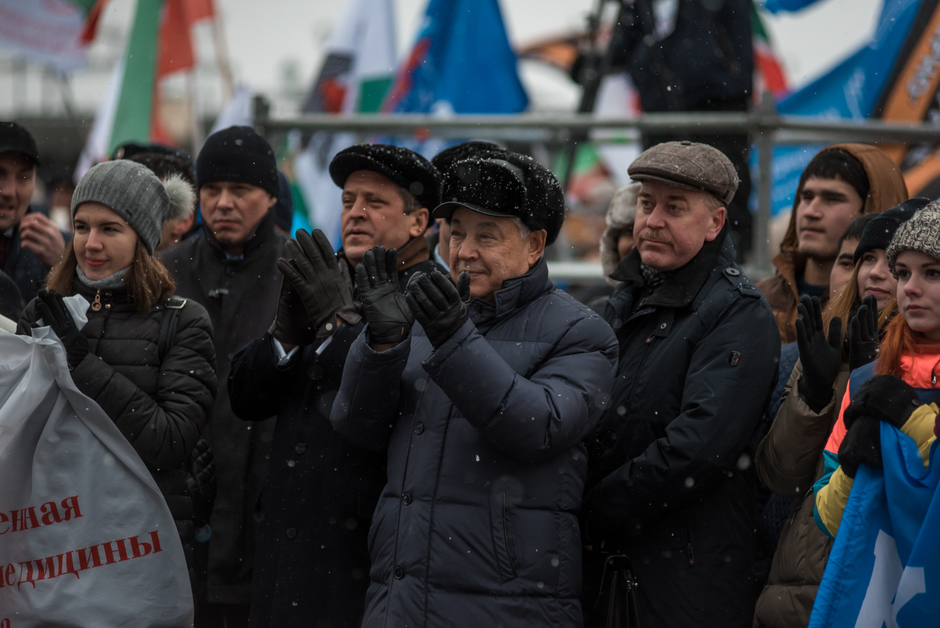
x=766, y=128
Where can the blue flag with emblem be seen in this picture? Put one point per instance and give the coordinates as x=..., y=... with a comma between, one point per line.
x=461, y=62
x=884, y=569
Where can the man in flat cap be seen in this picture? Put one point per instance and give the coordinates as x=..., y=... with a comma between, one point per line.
x=30, y=244
x=480, y=394
x=230, y=268
x=671, y=483
x=312, y=558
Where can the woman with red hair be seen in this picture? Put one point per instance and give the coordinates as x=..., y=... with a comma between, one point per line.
x=900, y=388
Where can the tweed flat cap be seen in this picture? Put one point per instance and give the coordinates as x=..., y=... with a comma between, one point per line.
x=132, y=192
x=688, y=165
x=920, y=233
x=403, y=166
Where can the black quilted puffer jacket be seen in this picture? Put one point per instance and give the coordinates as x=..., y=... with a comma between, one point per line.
x=160, y=407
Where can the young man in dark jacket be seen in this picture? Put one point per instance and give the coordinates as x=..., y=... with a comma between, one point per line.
x=671, y=482
x=230, y=268
x=312, y=559
x=481, y=407
x=30, y=244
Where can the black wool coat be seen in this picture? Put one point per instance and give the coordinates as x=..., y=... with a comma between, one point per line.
x=478, y=524
x=672, y=479
x=312, y=559
x=160, y=406
x=241, y=297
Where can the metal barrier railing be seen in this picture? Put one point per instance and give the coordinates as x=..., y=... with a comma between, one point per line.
x=765, y=126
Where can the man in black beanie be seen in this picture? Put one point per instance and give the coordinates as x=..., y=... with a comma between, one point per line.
x=231, y=269
x=312, y=559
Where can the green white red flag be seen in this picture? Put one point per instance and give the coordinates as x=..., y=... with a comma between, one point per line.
x=159, y=44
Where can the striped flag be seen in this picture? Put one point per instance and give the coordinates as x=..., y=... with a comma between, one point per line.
x=159, y=44
x=48, y=33
x=769, y=73
x=355, y=75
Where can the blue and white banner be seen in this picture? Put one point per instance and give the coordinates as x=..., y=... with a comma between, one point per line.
x=884, y=568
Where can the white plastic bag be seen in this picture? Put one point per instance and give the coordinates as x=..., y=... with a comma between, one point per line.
x=86, y=537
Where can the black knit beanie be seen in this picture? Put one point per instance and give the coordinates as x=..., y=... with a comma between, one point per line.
x=882, y=227
x=238, y=154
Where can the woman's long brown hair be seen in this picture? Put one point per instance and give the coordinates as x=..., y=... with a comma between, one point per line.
x=847, y=302
x=148, y=281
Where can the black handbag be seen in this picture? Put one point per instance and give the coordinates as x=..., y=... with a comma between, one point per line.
x=616, y=603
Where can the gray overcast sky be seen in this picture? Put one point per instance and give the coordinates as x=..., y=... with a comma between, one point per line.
x=264, y=36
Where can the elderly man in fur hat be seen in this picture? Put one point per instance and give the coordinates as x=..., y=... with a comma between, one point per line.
x=480, y=394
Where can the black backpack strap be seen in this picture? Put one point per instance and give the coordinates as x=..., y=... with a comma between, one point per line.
x=174, y=305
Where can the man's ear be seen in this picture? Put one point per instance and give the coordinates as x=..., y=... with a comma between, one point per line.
x=535, y=243
x=272, y=200
x=419, y=221
x=716, y=223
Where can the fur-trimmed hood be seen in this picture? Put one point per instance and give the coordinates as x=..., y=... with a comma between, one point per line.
x=620, y=216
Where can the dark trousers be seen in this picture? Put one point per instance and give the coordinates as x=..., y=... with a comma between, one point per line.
x=222, y=616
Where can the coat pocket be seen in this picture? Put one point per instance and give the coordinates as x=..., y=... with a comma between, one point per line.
x=503, y=537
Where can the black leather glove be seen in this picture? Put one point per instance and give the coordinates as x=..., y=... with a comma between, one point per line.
x=883, y=398
x=54, y=313
x=291, y=324
x=201, y=482
x=437, y=304
x=863, y=334
x=324, y=291
x=821, y=358
x=383, y=303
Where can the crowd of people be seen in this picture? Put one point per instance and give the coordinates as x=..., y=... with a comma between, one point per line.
x=421, y=429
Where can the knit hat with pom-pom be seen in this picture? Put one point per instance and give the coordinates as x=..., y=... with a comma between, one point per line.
x=134, y=193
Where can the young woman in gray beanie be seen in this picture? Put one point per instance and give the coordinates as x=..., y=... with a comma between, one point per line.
x=146, y=359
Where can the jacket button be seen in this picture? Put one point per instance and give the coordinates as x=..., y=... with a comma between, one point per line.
x=230, y=271
x=419, y=428
x=399, y=573
x=315, y=372
x=300, y=448
x=406, y=498
x=291, y=533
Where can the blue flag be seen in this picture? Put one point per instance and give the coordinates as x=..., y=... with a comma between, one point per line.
x=775, y=6
x=884, y=568
x=461, y=63
x=849, y=91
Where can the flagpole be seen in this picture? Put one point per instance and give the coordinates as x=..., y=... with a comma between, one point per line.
x=195, y=126
x=221, y=57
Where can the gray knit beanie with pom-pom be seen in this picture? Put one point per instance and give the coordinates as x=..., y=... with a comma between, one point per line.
x=135, y=194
